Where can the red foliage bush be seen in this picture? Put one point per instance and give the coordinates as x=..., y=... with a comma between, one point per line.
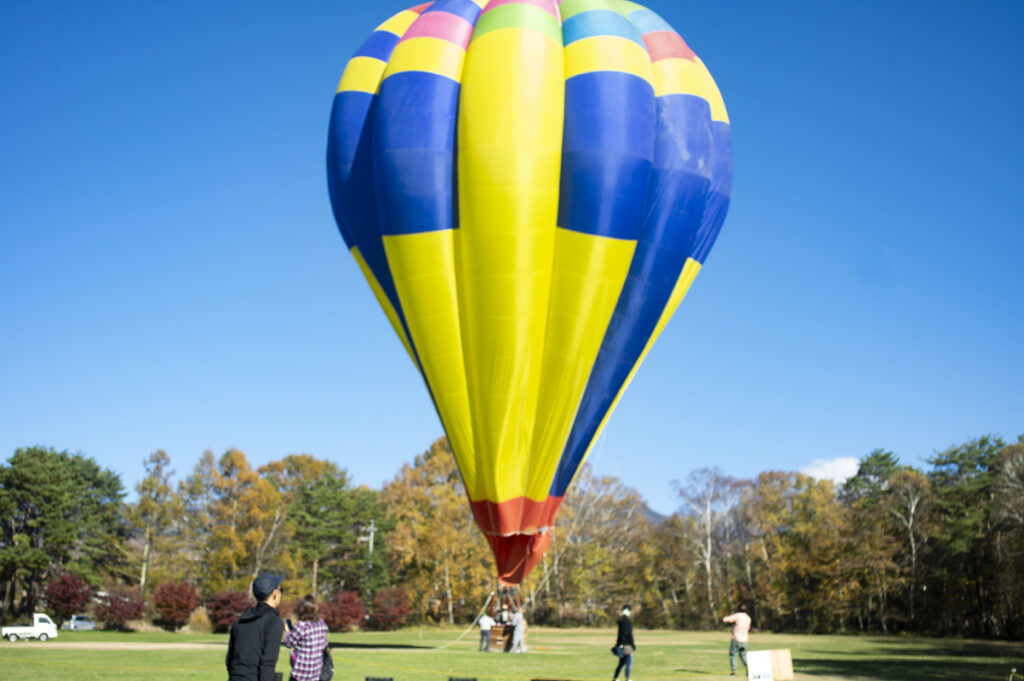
x=343, y=612
x=225, y=607
x=175, y=601
x=390, y=609
x=120, y=606
x=66, y=596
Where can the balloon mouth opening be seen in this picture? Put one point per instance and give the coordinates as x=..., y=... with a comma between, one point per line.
x=517, y=554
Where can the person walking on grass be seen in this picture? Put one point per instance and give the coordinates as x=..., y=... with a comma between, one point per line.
x=255, y=639
x=740, y=622
x=308, y=639
x=624, y=645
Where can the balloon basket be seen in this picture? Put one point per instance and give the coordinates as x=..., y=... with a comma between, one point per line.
x=504, y=603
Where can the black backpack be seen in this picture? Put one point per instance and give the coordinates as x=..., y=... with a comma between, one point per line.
x=327, y=669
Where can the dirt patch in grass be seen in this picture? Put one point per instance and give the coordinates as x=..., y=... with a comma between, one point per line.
x=115, y=645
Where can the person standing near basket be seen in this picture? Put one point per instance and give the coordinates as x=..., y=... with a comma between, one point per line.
x=308, y=640
x=624, y=645
x=486, y=624
x=519, y=632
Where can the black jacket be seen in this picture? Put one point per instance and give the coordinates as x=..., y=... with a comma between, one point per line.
x=254, y=644
x=625, y=633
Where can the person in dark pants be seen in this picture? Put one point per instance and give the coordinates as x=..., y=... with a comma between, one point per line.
x=625, y=645
x=486, y=624
x=256, y=635
x=740, y=622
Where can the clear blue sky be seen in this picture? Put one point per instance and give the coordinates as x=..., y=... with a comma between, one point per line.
x=171, y=276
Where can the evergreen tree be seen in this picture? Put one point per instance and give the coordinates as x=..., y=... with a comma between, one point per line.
x=61, y=513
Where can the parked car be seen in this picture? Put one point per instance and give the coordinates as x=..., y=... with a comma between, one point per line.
x=78, y=623
x=42, y=627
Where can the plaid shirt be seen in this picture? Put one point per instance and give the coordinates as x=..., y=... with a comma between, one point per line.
x=309, y=639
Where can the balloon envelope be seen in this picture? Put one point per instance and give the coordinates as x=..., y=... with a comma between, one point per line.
x=530, y=188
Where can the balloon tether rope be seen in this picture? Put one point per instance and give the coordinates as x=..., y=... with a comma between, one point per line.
x=471, y=624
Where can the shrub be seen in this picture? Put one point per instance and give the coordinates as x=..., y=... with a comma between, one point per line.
x=225, y=607
x=175, y=601
x=120, y=606
x=66, y=596
x=343, y=612
x=199, y=622
x=390, y=609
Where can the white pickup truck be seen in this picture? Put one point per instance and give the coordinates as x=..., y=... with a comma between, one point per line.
x=42, y=627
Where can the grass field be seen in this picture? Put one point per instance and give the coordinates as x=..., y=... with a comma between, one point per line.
x=574, y=654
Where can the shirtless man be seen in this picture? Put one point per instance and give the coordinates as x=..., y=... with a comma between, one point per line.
x=740, y=622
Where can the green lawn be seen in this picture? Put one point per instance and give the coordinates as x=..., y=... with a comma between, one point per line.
x=574, y=654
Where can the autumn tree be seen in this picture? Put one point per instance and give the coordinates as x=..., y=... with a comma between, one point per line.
x=239, y=522
x=1009, y=485
x=156, y=509
x=709, y=497
x=870, y=566
x=676, y=573
x=814, y=552
x=596, y=556
x=907, y=500
x=764, y=512
x=436, y=549
x=197, y=496
x=1008, y=512
x=792, y=550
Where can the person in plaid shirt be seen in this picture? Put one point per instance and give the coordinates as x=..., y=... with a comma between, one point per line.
x=308, y=640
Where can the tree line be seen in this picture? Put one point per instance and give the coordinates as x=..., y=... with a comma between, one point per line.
x=938, y=550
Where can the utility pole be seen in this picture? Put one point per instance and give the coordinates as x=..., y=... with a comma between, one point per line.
x=368, y=538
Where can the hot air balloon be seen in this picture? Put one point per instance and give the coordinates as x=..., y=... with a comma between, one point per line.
x=530, y=188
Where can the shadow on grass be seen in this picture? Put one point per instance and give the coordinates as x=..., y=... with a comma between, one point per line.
x=376, y=646
x=704, y=672
x=911, y=670
x=980, y=649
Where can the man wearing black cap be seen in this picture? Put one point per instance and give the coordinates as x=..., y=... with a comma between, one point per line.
x=256, y=634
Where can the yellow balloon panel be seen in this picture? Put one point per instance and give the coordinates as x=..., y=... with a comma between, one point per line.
x=509, y=148
x=424, y=273
x=588, y=273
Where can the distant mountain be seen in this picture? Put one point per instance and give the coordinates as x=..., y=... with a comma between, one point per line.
x=654, y=519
